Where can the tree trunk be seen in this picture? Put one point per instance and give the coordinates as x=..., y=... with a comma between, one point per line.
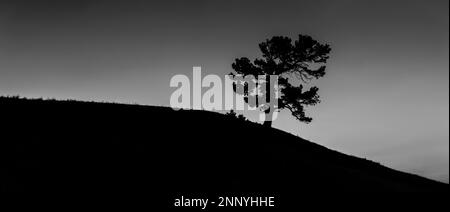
x=268, y=118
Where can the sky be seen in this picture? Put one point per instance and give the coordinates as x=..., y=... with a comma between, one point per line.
x=385, y=96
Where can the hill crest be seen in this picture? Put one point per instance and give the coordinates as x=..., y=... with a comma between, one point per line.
x=94, y=145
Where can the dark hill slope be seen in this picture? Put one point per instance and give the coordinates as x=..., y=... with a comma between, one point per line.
x=67, y=147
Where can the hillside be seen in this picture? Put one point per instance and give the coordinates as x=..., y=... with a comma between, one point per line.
x=68, y=147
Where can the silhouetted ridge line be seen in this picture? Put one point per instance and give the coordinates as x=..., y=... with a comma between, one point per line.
x=72, y=147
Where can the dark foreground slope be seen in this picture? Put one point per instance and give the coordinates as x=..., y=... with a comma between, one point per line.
x=70, y=147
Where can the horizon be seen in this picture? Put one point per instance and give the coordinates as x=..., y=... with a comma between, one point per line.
x=385, y=96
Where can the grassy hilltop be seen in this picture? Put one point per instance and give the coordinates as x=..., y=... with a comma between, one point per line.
x=71, y=147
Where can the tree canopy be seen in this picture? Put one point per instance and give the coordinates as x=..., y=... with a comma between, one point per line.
x=295, y=63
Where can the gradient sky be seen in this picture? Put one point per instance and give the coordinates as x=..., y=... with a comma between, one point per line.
x=385, y=96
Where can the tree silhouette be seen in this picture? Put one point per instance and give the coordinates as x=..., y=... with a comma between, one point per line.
x=295, y=64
